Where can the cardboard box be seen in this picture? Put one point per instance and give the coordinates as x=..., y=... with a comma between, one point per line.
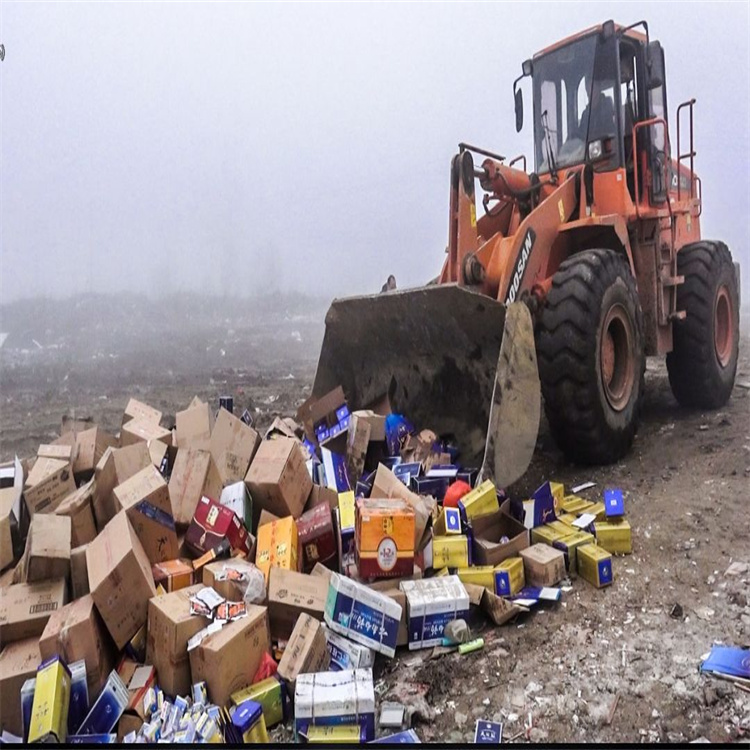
x=488, y=531
x=138, y=431
x=509, y=577
x=479, y=575
x=145, y=499
x=317, y=539
x=335, y=698
x=173, y=575
x=375, y=421
x=213, y=523
x=158, y=452
x=232, y=446
x=451, y=551
x=170, y=627
x=116, y=466
x=90, y=445
x=193, y=476
x=47, y=553
x=431, y=604
x=25, y=608
x=357, y=443
x=11, y=542
x=388, y=486
x=79, y=574
x=49, y=713
x=120, y=579
x=228, y=659
x=76, y=631
x=18, y=663
x=384, y=537
x=278, y=479
x=237, y=499
x=575, y=504
x=193, y=427
x=231, y=590
x=362, y=614
x=569, y=545
x=78, y=506
x=481, y=501
x=277, y=546
x=306, y=650
x=138, y=410
x=291, y=594
x=346, y=654
x=543, y=565
x=272, y=695
x=614, y=536
x=319, y=495
x=595, y=565
x=48, y=483
x=547, y=535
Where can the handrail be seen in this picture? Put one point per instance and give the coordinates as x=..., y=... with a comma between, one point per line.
x=636, y=127
x=687, y=154
x=519, y=158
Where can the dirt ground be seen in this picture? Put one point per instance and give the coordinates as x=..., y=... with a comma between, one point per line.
x=606, y=665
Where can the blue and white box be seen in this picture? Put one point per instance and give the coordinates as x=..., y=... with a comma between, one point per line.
x=362, y=614
x=79, y=696
x=488, y=733
x=346, y=654
x=431, y=603
x=107, y=708
x=329, y=699
x=407, y=737
x=452, y=521
x=614, y=505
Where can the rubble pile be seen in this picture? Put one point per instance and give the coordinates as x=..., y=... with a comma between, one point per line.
x=199, y=582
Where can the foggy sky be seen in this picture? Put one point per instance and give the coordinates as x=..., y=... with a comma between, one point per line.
x=245, y=148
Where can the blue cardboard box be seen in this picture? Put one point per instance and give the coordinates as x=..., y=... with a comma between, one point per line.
x=614, y=505
x=488, y=733
x=407, y=737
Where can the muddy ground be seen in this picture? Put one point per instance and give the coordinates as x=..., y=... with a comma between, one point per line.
x=606, y=665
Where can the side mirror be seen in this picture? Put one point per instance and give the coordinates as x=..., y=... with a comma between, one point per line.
x=518, y=96
x=655, y=76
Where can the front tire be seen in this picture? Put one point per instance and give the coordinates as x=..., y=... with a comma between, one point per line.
x=591, y=357
x=703, y=361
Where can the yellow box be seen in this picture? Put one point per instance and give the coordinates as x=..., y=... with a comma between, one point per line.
x=342, y=734
x=346, y=510
x=614, y=537
x=509, y=576
x=480, y=501
x=442, y=572
x=569, y=546
x=559, y=526
x=558, y=494
x=598, y=510
x=481, y=575
x=575, y=504
x=271, y=694
x=385, y=538
x=547, y=535
x=594, y=565
x=567, y=519
x=277, y=545
x=450, y=551
x=49, y=711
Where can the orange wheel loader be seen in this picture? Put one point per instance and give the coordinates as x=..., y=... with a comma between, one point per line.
x=574, y=273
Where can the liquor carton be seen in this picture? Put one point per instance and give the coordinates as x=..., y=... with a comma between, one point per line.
x=272, y=695
x=481, y=501
x=306, y=650
x=317, y=538
x=595, y=565
x=431, y=603
x=614, y=536
x=509, y=576
x=213, y=523
x=543, y=565
x=277, y=546
x=49, y=713
x=451, y=551
x=569, y=545
x=384, y=538
x=346, y=654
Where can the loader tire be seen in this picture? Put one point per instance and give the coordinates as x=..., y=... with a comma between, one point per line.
x=591, y=357
x=703, y=360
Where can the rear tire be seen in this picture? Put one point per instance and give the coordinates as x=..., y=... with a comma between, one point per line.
x=591, y=357
x=703, y=361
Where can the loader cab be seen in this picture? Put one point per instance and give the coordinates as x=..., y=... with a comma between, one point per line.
x=588, y=93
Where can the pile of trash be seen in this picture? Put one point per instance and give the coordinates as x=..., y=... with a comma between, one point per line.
x=201, y=583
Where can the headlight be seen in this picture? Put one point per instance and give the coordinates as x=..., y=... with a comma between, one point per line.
x=595, y=150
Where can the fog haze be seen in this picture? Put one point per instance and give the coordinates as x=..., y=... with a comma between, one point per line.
x=243, y=148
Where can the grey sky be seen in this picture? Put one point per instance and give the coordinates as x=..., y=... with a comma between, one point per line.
x=158, y=147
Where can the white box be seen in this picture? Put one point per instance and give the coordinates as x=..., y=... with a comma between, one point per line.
x=346, y=654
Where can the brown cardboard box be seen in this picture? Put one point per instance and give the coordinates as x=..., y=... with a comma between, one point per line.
x=79, y=574
x=388, y=486
x=72, y=425
x=120, y=579
x=289, y=595
x=90, y=446
x=47, y=553
x=306, y=651
x=194, y=427
x=48, y=483
x=543, y=565
x=232, y=446
x=193, y=476
x=228, y=660
x=9, y=532
x=156, y=451
x=25, y=608
x=129, y=722
x=78, y=506
x=376, y=422
x=173, y=575
x=228, y=589
x=357, y=442
x=319, y=495
x=116, y=466
x=138, y=410
x=266, y=517
x=76, y=631
x=278, y=479
x=170, y=627
x=489, y=529
x=145, y=498
x=62, y=451
x=136, y=430
x=18, y=663
x=400, y=597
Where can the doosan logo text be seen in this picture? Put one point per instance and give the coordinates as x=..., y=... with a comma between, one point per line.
x=528, y=243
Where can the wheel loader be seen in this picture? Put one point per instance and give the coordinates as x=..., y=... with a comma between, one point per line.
x=572, y=275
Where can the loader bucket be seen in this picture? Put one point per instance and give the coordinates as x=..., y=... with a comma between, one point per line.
x=451, y=360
